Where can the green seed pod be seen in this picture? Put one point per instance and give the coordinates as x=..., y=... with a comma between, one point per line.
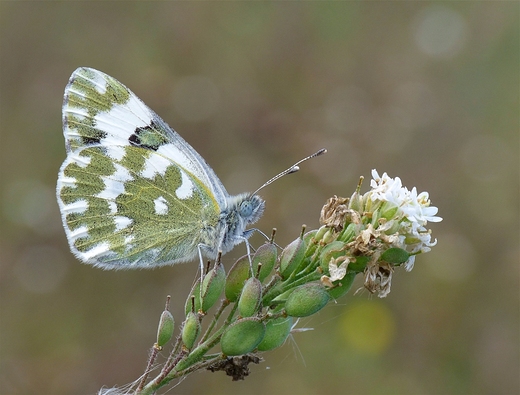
x=165, y=329
x=281, y=298
x=250, y=298
x=351, y=231
x=389, y=210
x=392, y=226
x=395, y=256
x=190, y=330
x=236, y=277
x=266, y=254
x=307, y=237
x=359, y=264
x=376, y=216
x=329, y=236
x=311, y=243
x=320, y=233
x=306, y=300
x=276, y=331
x=195, y=292
x=332, y=250
x=343, y=286
x=242, y=336
x=212, y=286
x=291, y=257
x=356, y=202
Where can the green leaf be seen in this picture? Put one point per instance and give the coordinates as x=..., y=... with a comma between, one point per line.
x=395, y=255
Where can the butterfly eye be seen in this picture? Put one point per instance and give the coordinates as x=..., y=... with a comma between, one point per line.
x=246, y=208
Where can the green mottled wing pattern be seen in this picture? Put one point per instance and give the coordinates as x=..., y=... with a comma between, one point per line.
x=131, y=191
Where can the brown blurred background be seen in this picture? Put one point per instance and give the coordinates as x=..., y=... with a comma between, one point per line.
x=426, y=91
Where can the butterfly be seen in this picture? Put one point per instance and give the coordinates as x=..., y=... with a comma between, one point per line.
x=132, y=192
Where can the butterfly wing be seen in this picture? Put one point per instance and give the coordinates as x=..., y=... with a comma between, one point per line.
x=98, y=108
x=131, y=191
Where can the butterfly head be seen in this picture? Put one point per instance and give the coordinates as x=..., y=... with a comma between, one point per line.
x=251, y=208
x=240, y=211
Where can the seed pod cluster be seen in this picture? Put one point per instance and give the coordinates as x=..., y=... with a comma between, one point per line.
x=268, y=290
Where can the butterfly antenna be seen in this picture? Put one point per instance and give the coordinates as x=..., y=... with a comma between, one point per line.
x=293, y=169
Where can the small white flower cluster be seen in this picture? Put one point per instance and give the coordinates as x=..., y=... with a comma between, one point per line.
x=413, y=213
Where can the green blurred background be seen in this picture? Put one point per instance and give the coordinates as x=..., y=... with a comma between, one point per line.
x=427, y=91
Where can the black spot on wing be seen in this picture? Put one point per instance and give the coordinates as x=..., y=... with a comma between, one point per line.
x=134, y=139
x=148, y=137
x=90, y=140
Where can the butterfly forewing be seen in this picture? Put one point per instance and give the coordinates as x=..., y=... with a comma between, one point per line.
x=99, y=109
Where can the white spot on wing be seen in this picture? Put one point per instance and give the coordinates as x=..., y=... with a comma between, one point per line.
x=122, y=222
x=115, y=152
x=115, y=183
x=155, y=164
x=80, y=114
x=98, y=251
x=185, y=191
x=112, y=206
x=100, y=83
x=65, y=181
x=79, y=207
x=81, y=161
x=75, y=234
x=161, y=206
x=112, y=189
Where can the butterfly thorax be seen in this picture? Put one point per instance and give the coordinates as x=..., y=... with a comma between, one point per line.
x=241, y=211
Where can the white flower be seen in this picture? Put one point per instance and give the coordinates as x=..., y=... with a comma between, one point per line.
x=413, y=213
x=387, y=189
x=416, y=208
x=337, y=273
x=408, y=265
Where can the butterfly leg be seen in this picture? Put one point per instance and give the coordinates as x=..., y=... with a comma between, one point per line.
x=201, y=262
x=269, y=239
x=245, y=237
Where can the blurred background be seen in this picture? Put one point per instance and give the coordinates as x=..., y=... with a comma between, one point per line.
x=426, y=91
